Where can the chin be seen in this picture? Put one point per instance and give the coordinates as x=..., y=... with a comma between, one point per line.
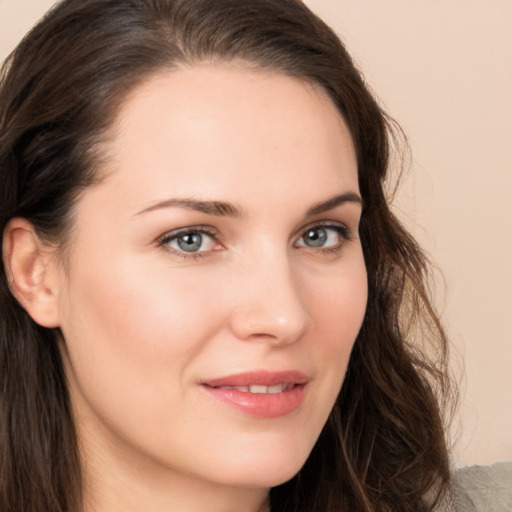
x=263, y=472
x=265, y=479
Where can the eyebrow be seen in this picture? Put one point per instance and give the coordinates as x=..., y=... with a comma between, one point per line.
x=223, y=209
x=330, y=204
x=218, y=208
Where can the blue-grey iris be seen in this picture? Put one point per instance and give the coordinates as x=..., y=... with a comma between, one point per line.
x=190, y=242
x=315, y=237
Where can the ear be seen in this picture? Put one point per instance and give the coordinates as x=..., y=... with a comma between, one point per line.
x=33, y=271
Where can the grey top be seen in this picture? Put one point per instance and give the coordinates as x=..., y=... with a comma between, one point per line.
x=483, y=488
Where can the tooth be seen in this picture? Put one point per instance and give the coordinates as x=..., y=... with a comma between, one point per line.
x=257, y=389
x=235, y=388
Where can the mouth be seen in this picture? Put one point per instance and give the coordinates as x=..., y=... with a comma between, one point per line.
x=260, y=394
x=259, y=389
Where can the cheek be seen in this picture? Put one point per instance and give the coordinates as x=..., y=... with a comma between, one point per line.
x=131, y=333
x=338, y=315
x=131, y=345
x=339, y=305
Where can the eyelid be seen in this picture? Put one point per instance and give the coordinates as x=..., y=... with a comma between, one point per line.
x=342, y=230
x=173, y=233
x=169, y=236
x=341, y=227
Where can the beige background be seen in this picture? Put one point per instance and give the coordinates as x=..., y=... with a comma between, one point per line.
x=443, y=69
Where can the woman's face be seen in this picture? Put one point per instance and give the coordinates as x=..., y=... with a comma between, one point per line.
x=215, y=283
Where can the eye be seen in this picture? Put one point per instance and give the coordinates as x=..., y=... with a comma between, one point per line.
x=324, y=237
x=191, y=241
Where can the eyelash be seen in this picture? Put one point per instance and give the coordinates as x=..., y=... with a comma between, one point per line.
x=167, y=238
x=343, y=231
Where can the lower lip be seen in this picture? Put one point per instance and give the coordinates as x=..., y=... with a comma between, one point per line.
x=261, y=405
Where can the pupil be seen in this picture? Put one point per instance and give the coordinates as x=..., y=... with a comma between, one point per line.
x=316, y=237
x=191, y=242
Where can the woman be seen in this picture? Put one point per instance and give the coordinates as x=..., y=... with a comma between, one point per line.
x=207, y=303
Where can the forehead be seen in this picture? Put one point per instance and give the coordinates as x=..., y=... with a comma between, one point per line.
x=211, y=128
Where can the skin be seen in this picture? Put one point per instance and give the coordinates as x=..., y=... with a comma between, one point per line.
x=144, y=322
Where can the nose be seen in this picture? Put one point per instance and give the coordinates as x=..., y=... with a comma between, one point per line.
x=268, y=303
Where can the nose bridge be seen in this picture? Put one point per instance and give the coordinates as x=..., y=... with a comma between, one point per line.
x=269, y=304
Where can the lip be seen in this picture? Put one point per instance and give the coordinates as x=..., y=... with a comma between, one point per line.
x=260, y=405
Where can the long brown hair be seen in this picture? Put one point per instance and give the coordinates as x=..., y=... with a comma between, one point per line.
x=383, y=447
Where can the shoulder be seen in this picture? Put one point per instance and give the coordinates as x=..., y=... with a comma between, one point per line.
x=483, y=488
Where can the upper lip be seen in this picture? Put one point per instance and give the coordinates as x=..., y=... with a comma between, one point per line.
x=259, y=377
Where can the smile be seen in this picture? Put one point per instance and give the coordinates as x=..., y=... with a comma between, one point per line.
x=257, y=388
x=260, y=394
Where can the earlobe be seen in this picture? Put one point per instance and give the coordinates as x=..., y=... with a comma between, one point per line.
x=32, y=272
